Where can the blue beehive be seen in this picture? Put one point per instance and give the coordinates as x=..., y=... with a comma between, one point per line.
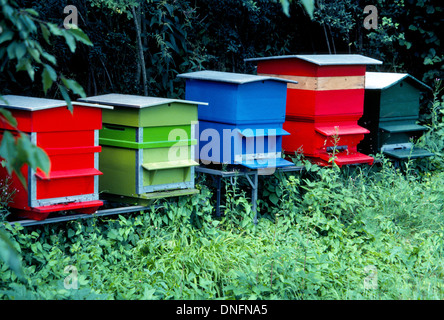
x=242, y=123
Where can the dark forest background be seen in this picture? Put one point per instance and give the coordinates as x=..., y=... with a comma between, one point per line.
x=188, y=35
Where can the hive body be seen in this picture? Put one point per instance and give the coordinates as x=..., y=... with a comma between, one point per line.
x=242, y=123
x=70, y=140
x=147, y=147
x=391, y=112
x=323, y=109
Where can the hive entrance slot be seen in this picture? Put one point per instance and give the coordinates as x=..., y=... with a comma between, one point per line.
x=337, y=148
x=113, y=127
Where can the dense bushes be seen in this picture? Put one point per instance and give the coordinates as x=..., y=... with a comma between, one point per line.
x=329, y=228
x=179, y=36
x=355, y=233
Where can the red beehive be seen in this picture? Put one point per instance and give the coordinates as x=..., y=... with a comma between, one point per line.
x=324, y=107
x=71, y=143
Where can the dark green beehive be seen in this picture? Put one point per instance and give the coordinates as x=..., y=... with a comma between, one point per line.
x=391, y=113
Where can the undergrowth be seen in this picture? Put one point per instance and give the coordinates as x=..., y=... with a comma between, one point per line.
x=357, y=232
x=318, y=240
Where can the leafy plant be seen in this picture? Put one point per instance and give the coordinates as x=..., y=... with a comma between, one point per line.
x=18, y=28
x=18, y=39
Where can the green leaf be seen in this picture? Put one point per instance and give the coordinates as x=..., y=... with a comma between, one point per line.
x=35, y=54
x=79, y=35
x=10, y=256
x=70, y=40
x=11, y=50
x=25, y=64
x=32, y=12
x=55, y=30
x=20, y=50
x=8, y=115
x=30, y=70
x=45, y=32
x=8, y=151
x=274, y=198
x=309, y=7
x=65, y=95
x=6, y=36
x=41, y=159
x=48, y=77
x=286, y=7
x=74, y=86
x=49, y=57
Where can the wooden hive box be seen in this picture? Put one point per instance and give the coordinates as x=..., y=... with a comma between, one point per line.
x=250, y=107
x=328, y=85
x=147, y=147
x=391, y=112
x=324, y=105
x=71, y=142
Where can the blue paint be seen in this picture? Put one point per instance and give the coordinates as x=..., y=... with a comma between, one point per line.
x=221, y=143
x=258, y=102
x=243, y=120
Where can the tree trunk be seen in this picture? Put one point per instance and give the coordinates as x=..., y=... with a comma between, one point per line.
x=140, y=50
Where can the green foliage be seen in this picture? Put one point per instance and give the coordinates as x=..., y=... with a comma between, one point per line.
x=320, y=231
x=182, y=36
x=19, y=45
x=315, y=241
x=433, y=139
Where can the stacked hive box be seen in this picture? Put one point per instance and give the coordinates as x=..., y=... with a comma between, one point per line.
x=147, y=147
x=71, y=142
x=391, y=110
x=243, y=120
x=324, y=107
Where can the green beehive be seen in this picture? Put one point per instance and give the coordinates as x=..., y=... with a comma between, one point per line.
x=391, y=113
x=147, y=146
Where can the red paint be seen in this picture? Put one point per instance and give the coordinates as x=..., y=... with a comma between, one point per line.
x=41, y=213
x=57, y=119
x=298, y=67
x=69, y=141
x=67, y=187
x=66, y=139
x=312, y=115
x=313, y=138
x=325, y=102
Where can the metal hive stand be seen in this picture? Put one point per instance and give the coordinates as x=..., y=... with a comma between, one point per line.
x=251, y=175
x=70, y=217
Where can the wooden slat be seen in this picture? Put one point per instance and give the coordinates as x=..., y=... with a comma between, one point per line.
x=65, y=174
x=323, y=83
x=169, y=164
x=341, y=130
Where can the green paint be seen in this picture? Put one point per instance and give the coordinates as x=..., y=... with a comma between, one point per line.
x=172, y=174
x=118, y=168
x=391, y=115
x=171, y=114
x=399, y=100
x=153, y=137
x=164, y=150
x=404, y=154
